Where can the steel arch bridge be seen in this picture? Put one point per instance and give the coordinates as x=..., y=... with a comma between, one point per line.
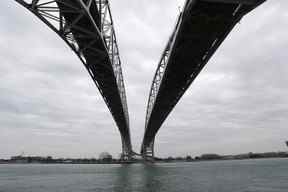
x=86, y=26
x=201, y=28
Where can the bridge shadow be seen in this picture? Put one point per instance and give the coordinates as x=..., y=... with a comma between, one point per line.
x=138, y=177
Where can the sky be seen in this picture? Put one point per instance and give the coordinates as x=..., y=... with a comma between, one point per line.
x=50, y=106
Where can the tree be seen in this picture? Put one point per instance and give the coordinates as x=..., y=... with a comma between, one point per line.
x=188, y=158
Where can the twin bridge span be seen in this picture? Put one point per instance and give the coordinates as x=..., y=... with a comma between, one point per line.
x=86, y=26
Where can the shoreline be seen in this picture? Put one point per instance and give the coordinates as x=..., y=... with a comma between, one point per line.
x=135, y=162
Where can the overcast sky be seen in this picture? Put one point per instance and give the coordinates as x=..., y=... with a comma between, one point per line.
x=50, y=106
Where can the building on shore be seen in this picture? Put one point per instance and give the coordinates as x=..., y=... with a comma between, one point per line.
x=105, y=156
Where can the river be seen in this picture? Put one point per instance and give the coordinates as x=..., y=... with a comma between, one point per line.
x=265, y=175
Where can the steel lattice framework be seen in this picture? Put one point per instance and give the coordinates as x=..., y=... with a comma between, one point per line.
x=87, y=28
x=201, y=28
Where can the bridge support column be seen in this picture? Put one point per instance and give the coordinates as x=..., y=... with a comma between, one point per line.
x=148, y=152
x=126, y=154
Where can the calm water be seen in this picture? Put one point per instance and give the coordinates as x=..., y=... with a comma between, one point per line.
x=221, y=176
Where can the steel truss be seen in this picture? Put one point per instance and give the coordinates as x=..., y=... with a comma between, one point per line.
x=87, y=28
x=148, y=150
x=189, y=45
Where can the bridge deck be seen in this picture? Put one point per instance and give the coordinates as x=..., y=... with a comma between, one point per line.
x=202, y=27
x=87, y=27
x=97, y=58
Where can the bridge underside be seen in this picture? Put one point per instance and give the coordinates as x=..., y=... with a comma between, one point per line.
x=87, y=27
x=200, y=30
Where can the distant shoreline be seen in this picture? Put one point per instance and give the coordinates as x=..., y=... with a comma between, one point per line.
x=132, y=162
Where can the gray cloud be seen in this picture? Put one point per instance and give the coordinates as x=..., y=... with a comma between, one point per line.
x=50, y=106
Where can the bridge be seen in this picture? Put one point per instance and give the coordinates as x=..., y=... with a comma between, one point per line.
x=201, y=28
x=86, y=26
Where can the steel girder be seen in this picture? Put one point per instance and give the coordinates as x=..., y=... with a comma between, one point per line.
x=201, y=28
x=87, y=28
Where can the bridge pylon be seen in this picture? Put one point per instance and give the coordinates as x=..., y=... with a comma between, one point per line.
x=147, y=152
x=127, y=152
